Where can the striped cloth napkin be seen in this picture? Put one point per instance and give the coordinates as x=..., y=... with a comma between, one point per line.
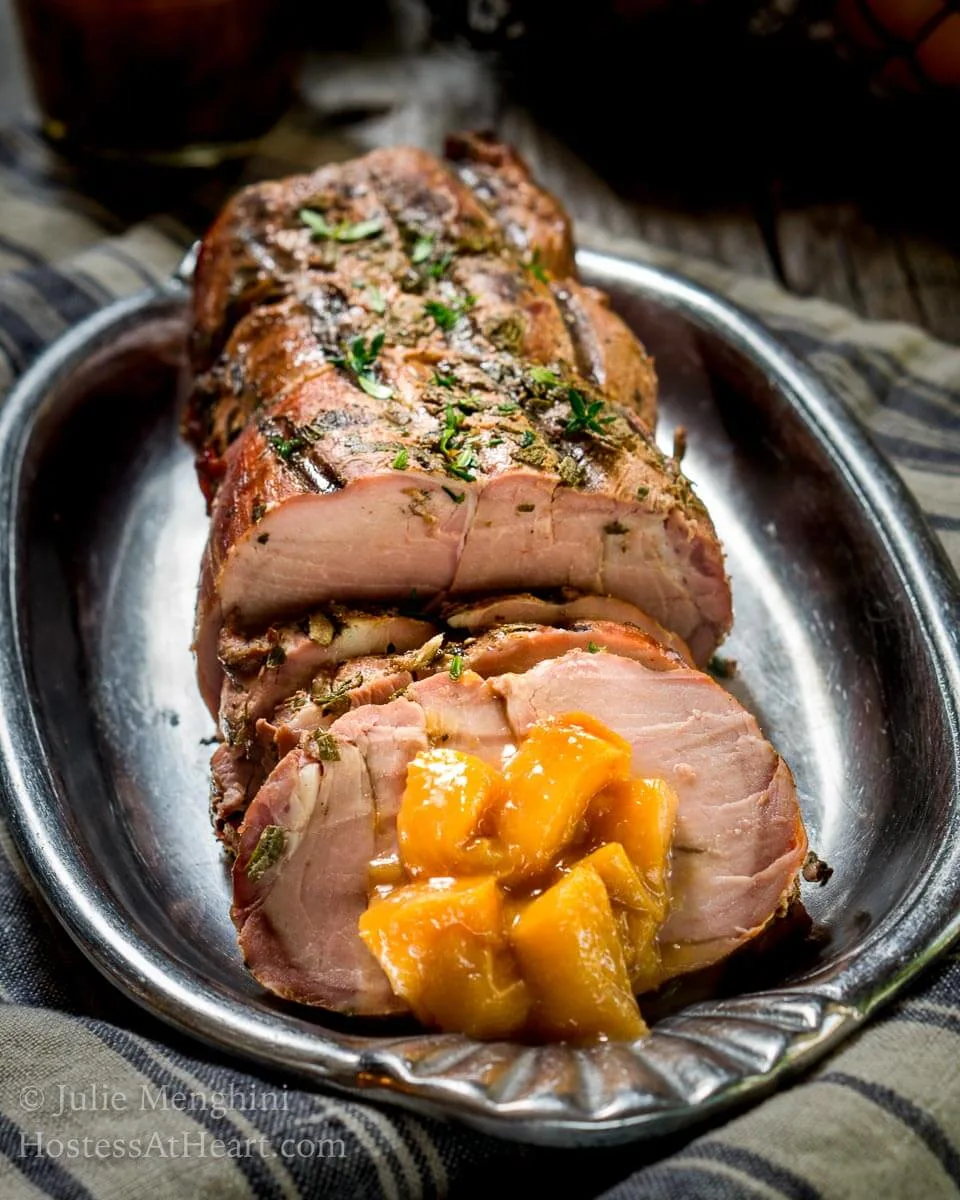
x=99, y=1100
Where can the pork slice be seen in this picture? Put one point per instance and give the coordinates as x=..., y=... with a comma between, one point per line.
x=567, y=609
x=739, y=840
x=464, y=714
x=263, y=670
x=297, y=921
x=738, y=845
x=517, y=648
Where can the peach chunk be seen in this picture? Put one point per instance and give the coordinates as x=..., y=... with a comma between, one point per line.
x=551, y=780
x=442, y=946
x=624, y=886
x=569, y=951
x=448, y=794
x=639, y=814
x=472, y=986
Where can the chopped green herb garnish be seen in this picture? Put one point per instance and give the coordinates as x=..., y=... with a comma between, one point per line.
x=544, y=375
x=277, y=656
x=346, y=231
x=268, y=850
x=495, y=441
x=258, y=511
x=506, y=409
x=452, y=422
x=585, y=417
x=440, y=267
x=336, y=700
x=469, y=404
x=377, y=302
x=445, y=381
x=643, y=493
x=528, y=438
x=283, y=447
x=422, y=249
x=463, y=466
x=444, y=315
x=593, y=648
x=536, y=267
x=359, y=361
x=325, y=745
x=402, y=458
x=456, y=666
x=456, y=497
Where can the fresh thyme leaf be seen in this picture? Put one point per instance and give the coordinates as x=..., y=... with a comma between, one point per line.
x=536, y=267
x=377, y=302
x=336, y=700
x=585, y=418
x=456, y=497
x=283, y=447
x=456, y=666
x=444, y=315
x=379, y=391
x=506, y=409
x=495, y=441
x=277, y=656
x=401, y=460
x=544, y=375
x=446, y=381
x=422, y=249
x=528, y=438
x=346, y=231
x=359, y=361
x=440, y=267
x=593, y=648
x=325, y=745
x=268, y=850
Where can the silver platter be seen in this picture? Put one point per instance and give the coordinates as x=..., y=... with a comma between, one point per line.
x=847, y=644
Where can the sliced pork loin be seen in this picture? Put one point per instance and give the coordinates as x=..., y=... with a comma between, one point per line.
x=330, y=807
x=563, y=609
x=498, y=437
x=343, y=519
x=266, y=712
x=263, y=670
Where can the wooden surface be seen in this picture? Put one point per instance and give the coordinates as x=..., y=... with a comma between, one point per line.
x=881, y=259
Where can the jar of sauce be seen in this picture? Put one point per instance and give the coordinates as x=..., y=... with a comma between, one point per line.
x=171, y=82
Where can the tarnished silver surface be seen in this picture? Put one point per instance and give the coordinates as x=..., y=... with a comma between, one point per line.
x=846, y=638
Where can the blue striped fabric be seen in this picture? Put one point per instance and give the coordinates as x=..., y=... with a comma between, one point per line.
x=881, y=1118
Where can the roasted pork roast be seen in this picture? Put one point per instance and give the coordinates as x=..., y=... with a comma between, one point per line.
x=438, y=517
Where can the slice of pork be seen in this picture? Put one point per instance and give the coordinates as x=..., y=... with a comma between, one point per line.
x=527, y=609
x=738, y=847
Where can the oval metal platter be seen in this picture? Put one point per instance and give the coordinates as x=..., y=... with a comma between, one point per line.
x=846, y=637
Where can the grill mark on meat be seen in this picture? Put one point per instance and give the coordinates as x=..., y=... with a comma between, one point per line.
x=316, y=474
x=580, y=333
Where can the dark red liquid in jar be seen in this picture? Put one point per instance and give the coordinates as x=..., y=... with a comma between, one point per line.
x=160, y=77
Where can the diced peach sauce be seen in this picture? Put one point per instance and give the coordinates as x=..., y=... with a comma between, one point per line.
x=528, y=900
